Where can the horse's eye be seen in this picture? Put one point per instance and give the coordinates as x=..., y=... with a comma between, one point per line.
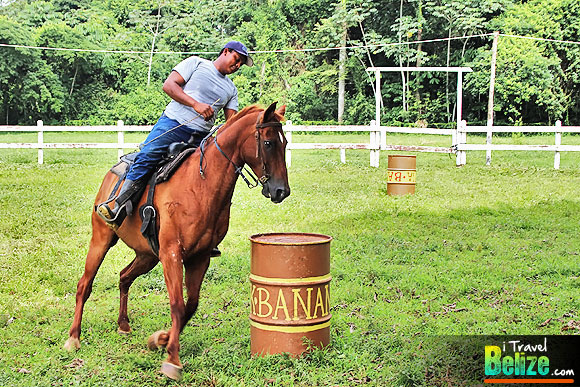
x=268, y=144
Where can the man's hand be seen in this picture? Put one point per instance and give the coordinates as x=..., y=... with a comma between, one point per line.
x=173, y=86
x=205, y=110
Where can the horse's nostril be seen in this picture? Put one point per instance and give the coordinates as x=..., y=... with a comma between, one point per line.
x=281, y=193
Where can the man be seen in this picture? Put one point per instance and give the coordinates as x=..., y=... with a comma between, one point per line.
x=199, y=89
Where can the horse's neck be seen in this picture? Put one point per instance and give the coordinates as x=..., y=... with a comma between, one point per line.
x=219, y=173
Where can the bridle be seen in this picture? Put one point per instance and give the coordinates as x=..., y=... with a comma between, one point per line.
x=246, y=174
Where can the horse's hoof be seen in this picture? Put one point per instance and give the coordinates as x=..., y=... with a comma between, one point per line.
x=171, y=371
x=123, y=331
x=72, y=344
x=154, y=343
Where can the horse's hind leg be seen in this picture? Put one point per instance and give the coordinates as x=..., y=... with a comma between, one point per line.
x=194, y=274
x=102, y=240
x=142, y=264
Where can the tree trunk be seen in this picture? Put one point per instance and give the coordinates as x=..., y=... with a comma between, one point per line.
x=73, y=80
x=342, y=68
x=370, y=61
x=447, y=76
x=418, y=64
x=490, y=98
x=403, y=79
x=155, y=33
x=341, y=76
x=262, y=78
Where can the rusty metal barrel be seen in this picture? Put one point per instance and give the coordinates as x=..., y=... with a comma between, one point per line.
x=290, y=295
x=402, y=172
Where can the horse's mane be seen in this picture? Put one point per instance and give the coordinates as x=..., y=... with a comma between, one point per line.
x=245, y=112
x=242, y=113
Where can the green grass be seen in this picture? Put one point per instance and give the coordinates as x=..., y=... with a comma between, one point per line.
x=476, y=251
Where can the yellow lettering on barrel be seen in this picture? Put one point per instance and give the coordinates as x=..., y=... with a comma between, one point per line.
x=319, y=303
x=263, y=301
x=281, y=304
x=297, y=298
x=327, y=300
x=254, y=299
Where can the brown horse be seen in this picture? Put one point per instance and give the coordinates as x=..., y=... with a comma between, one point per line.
x=193, y=216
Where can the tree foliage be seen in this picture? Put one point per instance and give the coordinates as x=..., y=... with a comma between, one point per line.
x=537, y=81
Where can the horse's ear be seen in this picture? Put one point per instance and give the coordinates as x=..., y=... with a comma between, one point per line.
x=269, y=114
x=281, y=110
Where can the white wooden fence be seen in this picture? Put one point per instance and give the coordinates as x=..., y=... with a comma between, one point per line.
x=461, y=145
x=378, y=138
x=40, y=129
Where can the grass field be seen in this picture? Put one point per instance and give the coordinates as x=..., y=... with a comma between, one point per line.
x=476, y=251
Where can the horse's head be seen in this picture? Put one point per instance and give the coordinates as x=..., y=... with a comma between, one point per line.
x=268, y=161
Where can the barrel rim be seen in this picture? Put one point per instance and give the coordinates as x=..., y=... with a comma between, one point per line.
x=280, y=281
x=324, y=239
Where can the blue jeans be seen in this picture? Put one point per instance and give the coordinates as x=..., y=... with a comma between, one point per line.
x=165, y=132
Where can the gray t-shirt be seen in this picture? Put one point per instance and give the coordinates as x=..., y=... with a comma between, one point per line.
x=204, y=83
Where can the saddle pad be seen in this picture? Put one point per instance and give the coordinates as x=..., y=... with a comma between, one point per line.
x=120, y=169
x=166, y=170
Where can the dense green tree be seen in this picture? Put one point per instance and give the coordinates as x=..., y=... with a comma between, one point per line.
x=30, y=90
x=537, y=81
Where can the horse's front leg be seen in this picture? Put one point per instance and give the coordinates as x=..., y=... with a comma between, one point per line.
x=172, y=261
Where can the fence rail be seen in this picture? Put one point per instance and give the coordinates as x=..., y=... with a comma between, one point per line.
x=461, y=145
x=377, y=139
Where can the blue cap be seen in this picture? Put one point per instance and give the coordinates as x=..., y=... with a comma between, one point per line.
x=240, y=49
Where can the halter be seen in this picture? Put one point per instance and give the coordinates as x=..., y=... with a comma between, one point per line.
x=251, y=180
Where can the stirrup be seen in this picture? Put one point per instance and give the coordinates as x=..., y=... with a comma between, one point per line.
x=107, y=215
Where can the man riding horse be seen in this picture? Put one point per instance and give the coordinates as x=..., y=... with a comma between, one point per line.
x=199, y=88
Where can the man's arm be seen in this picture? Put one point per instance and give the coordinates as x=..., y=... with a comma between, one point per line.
x=229, y=113
x=173, y=87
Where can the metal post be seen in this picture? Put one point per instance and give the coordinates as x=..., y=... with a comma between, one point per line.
x=40, y=124
x=378, y=97
x=377, y=121
x=459, y=96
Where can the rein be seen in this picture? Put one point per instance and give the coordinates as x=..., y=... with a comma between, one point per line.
x=252, y=181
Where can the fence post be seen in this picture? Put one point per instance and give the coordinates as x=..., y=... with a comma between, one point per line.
x=120, y=138
x=461, y=138
x=374, y=144
x=288, y=128
x=558, y=143
x=40, y=124
x=343, y=155
x=383, y=139
x=464, y=141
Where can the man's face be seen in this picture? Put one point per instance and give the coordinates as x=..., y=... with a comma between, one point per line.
x=233, y=61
